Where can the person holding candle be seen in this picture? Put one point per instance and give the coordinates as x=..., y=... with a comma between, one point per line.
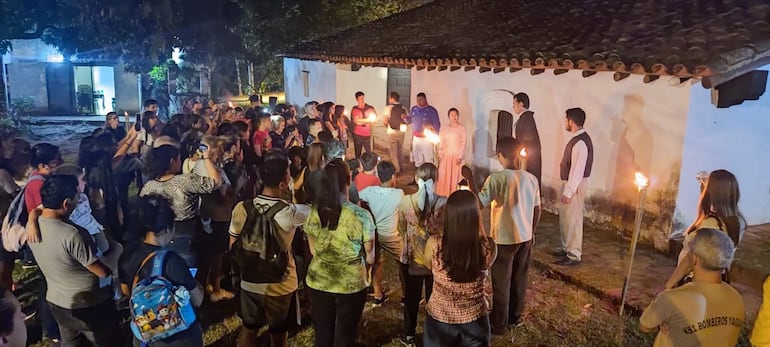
x=423, y=117
x=574, y=170
x=451, y=150
x=362, y=115
x=395, y=121
x=525, y=131
x=514, y=197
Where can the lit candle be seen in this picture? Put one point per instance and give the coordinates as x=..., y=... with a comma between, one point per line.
x=372, y=117
x=641, y=181
x=403, y=128
x=523, y=158
x=432, y=137
x=230, y=103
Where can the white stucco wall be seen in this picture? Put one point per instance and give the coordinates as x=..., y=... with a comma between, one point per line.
x=734, y=139
x=634, y=126
x=322, y=81
x=373, y=81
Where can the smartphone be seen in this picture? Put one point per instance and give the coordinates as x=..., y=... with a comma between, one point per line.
x=202, y=148
x=194, y=271
x=138, y=122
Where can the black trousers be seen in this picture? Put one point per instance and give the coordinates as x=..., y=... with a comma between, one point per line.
x=412, y=295
x=335, y=317
x=361, y=141
x=98, y=325
x=473, y=334
x=509, y=282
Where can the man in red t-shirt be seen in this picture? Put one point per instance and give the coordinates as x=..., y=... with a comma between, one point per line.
x=363, y=116
x=261, y=139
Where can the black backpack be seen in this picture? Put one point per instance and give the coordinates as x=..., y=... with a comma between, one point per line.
x=258, y=251
x=397, y=114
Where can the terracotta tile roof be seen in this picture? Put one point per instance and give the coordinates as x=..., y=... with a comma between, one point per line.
x=687, y=38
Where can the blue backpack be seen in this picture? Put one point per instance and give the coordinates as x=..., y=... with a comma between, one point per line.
x=159, y=308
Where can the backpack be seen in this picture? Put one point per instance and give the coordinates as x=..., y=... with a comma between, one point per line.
x=258, y=251
x=13, y=231
x=396, y=116
x=417, y=261
x=159, y=308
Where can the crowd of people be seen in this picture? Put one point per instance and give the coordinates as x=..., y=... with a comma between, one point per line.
x=269, y=199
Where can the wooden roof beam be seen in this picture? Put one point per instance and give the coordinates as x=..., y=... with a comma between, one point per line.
x=442, y=67
x=558, y=72
x=536, y=71
x=588, y=73
x=514, y=69
x=498, y=70
x=651, y=78
x=484, y=69
x=619, y=76
x=454, y=68
x=470, y=68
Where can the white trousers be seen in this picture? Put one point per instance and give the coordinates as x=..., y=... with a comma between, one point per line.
x=422, y=151
x=571, y=222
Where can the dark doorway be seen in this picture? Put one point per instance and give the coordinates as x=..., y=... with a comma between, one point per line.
x=400, y=81
x=504, y=124
x=59, y=79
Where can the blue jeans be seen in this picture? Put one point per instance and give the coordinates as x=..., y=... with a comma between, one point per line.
x=473, y=334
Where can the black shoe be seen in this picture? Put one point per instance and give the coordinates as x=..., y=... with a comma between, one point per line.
x=559, y=254
x=408, y=341
x=567, y=262
x=516, y=323
x=377, y=302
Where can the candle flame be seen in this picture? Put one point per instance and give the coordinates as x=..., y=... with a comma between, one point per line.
x=641, y=180
x=230, y=103
x=372, y=117
x=125, y=113
x=431, y=136
x=523, y=153
x=402, y=128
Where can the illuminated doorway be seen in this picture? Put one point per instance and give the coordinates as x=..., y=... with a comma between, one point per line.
x=94, y=89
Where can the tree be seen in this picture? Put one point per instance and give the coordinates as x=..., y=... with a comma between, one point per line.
x=270, y=26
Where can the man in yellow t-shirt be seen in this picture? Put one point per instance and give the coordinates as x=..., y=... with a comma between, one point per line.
x=706, y=312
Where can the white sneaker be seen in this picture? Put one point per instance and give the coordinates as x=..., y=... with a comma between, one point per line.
x=221, y=295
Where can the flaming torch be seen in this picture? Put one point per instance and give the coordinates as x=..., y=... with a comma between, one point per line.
x=641, y=181
x=433, y=138
x=523, y=158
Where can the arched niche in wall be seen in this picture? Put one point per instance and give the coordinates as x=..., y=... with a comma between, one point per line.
x=494, y=120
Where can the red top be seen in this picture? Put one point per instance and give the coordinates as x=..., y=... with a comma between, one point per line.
x=259, y=139
x=32, y=197
x=358, y=113
x=364, y=180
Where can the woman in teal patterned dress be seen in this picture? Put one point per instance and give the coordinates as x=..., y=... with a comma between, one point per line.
x=341, y=238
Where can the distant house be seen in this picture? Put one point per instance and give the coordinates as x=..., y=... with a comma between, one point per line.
x=655, y=78
x=63, y=85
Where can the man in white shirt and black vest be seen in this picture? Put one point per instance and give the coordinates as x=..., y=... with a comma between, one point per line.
x=575, y=168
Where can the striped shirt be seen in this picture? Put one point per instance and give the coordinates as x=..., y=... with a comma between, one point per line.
x=460, y=303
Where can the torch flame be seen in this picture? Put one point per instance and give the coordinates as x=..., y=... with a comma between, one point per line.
x=641, y=180
x=431, y=136
x=523, y=153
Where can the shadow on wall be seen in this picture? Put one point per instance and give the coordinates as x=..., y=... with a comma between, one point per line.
x=634, y=149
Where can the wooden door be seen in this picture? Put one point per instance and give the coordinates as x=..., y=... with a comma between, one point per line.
x=400, y=81
x=60, y=81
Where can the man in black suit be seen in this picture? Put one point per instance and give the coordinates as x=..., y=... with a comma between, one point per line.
x=525, y=131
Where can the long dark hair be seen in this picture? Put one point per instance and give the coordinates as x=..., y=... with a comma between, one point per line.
x=152, y=213
x=95, y=157
x=721, y=195
x=335, y=181
x=160, y=160
x=462, y=244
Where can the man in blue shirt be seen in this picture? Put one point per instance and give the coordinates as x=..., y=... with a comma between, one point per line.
x=423, y=117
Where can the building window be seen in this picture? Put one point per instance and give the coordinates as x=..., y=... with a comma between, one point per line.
x=306, y=82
